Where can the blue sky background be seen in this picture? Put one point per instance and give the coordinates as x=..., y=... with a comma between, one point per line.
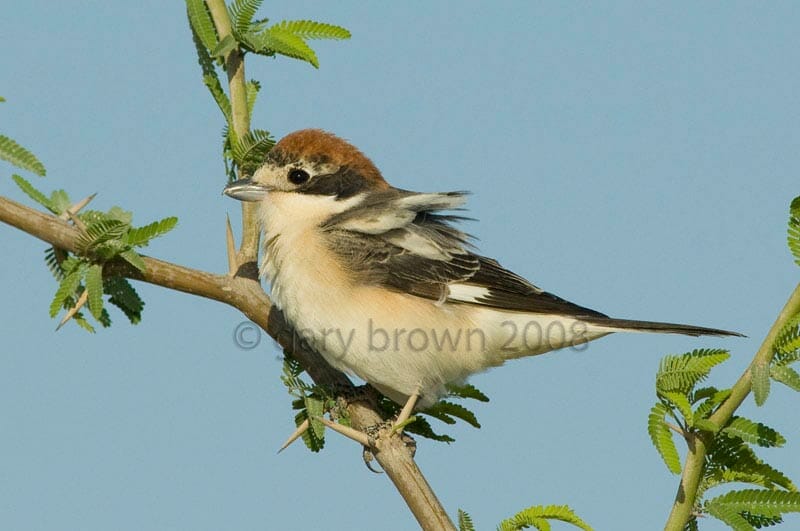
x=634, y=157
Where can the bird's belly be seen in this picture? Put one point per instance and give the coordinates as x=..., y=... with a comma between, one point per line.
x=399, y=343
x=403, y=344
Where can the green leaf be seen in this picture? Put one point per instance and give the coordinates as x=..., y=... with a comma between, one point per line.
x=681, y=373
x=466, y=391
x=423, y=428
x=81, y=321
x=308, y=29
x=465, y=521
x=759, y=383
x=730, y=459
x=94, y=285
x=759, y=521
x=242, y=13
x=2, y=99
x=533, y=516
x=753, y=432
x=444, y=410
x=124, y=297
x=794, y=229
x=249, y=153
x=315, y=409
x=661, y=436
x=60, y=202
x=309, y=437
x=141, y=236
x=729, y=516
x=224, y=104
x=201, y=23
x=769, y=503
x=680, y=401
x=785, y=375
x=787, y=343
x=32, y=192
x=67, y=288
x=133, y=258
x=252, y=88
x=705, y=409
x=99, y=233
x=20, y=157
x=120, y=214
x=225, y=45
x=276, y=40
x=53, y=258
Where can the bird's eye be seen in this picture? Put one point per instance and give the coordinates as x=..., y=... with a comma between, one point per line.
x=298, y=176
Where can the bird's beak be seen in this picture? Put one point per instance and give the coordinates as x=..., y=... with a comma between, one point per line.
x=246, y=190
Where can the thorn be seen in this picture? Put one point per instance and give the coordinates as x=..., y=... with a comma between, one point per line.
x=231, y=246
x=404, y=417
x=358, y=436
x=71, y=212
x=77, y=207
x=301, y=429
x=72, y=311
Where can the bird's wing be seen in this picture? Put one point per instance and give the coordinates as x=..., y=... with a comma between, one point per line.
x=400, y=241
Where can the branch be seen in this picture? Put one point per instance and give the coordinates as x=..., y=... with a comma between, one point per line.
x=246, y=295
x=234, y=67
x=695, y=459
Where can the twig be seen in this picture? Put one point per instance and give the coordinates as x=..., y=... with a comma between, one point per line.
x=695, y=459
x=234, y=67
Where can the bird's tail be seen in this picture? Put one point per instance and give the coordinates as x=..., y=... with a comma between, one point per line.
x=629, y=325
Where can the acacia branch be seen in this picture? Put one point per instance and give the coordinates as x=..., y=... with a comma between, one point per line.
x=698, y=443
x=246, y=295
x=234, y=67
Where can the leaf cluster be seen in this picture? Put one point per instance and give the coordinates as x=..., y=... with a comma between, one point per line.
x=536, y=517
x=684, y=408
x=445, y=411
x=104, y=236
x=249, y=35
x=18, y=156
x=310, y=401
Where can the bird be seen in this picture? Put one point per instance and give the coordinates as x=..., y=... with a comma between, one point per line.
x=384, y=284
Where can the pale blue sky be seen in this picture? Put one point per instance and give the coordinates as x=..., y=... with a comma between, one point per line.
x=634, y=157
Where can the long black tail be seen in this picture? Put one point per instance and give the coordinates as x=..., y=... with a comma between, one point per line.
x=656, y=327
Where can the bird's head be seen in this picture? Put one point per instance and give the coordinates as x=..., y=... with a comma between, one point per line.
x=314, y=163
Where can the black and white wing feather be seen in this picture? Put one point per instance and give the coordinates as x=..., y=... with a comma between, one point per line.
x=401, y=241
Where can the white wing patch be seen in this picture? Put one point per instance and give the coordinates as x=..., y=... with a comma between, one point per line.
x=435, y=201
x=467, y=293
x=377, y=222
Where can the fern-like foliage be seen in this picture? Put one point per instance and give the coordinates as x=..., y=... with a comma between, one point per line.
x=20, y=157
x=661, y=436
x=682, y=373
x=729, y=456
x=794, y=229
x=242, y=13
x=248, y=34
x=538, y=517
x=310, y=401
x=201, y=23
x=750, y=509
x=308, y=29
x=104, y=236
x=249, y=153
x=465, y=521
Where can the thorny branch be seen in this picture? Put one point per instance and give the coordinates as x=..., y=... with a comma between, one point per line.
x=246, y=295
